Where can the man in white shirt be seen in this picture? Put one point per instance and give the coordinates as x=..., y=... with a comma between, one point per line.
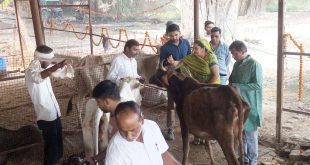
x=208, y=26
x=138, y=141
x=125, y=65
x=45, y=103
x=107, y=97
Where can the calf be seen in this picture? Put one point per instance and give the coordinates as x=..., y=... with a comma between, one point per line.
x=207, y=111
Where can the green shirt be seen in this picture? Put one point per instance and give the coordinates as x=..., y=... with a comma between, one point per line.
x=247, y=76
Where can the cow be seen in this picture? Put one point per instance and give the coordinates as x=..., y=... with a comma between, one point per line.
x=14, y=143
x=209, y=111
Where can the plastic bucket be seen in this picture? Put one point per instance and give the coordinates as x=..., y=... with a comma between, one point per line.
x=2, y=67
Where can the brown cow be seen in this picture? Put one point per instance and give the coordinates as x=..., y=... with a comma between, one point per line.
x=207, y=111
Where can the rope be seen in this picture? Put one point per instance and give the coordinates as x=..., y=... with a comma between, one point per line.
x=104, y=34
x=301, y=50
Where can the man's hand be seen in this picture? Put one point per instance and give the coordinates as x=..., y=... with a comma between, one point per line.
x=89, y=160
x=170, y=60
x=63, y=63
x=141, y=80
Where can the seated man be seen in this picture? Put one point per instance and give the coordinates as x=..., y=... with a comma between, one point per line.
x=125, y=65
x=137, y=141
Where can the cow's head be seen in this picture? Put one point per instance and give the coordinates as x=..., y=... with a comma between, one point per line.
x=164, y=75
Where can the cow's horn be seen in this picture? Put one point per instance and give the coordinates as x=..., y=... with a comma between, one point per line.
x=162, y=66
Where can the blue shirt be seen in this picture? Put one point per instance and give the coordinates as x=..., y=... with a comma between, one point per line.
x=177, y=52
x=223, y=57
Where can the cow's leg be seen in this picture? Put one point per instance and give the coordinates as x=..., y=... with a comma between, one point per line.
x=185, y=140
x=227, y=144
x=210, y=151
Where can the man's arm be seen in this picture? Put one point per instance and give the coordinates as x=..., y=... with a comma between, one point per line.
x=47, y=72
x=227, y=59
x=168, y=159
x=163, y=53
x=113, y=71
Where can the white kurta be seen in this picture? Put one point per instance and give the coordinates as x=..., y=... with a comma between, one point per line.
x=122, y=67
x=122, y=152
x=41, y=93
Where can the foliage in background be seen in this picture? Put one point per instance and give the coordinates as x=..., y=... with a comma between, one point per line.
x=292, y=5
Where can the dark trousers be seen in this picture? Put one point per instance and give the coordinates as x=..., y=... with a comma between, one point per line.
x=53, y=145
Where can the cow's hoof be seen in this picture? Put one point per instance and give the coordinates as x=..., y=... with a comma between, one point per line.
x=170, y=135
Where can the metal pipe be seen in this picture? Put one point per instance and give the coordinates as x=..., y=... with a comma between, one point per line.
x=38, y=30
x=8, y=28
x=90, y=29
x=296, y=53
x=196, y=19
x=19, y=35
x=63, y=5
x=297, y=111
x=280, y=70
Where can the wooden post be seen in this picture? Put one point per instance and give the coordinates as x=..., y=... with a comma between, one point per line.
x=36, y=20
x=19, y=36
x=280, y=70
x=90, y=29
x=196, y=19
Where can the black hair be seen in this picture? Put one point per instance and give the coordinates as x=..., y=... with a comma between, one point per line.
x=106, y=89
x=130, y=43
x=216, y=29
x=128, y=106
x=172, y=28
x=208, y=23
x=238, y=46
x=44, y=49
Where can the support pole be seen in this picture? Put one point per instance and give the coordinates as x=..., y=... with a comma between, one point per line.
x=196, y=19
x=36, y=20
x=90, y=29
x=280, y=70
x=19, y=35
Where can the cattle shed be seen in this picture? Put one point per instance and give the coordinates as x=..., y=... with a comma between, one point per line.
x=92, y=33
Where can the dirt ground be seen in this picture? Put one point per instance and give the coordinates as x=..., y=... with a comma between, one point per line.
x=260, y=34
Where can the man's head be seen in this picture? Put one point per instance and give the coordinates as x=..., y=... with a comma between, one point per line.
x=169, y=23
x=238, y=50
x=173, y=32
x=216, y=34
x=107, y=95
x=44, y=54
x=131, y=48
x=208, y=26
x=129, y=120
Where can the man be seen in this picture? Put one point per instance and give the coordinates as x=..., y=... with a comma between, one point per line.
x=246, y=77
x=45, y=104
x=208, y=26
x=176, y=48
x=222, y=53
x=107, y=96
x=125, y=65
x=138, y=141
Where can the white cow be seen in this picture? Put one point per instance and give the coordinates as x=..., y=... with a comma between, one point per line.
x=96, y=123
